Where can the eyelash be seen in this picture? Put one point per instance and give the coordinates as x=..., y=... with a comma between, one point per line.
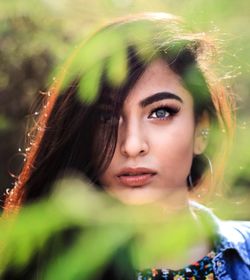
x=170, y=110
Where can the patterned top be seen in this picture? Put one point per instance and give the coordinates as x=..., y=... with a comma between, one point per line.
x=201, y=270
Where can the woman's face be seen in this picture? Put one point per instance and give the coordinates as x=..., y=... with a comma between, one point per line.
x=156, y=141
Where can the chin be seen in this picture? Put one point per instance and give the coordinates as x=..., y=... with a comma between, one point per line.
x=136, y=201
x=147, y=196
x=136, y=197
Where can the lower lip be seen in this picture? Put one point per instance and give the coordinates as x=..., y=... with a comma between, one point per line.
x=136, y=180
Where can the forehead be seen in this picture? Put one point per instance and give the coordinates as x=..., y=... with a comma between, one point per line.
x=158, y=77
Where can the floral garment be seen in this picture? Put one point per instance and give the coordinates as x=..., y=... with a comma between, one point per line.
x=201, y=270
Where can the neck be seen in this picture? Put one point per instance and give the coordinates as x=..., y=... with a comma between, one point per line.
x=173, y=241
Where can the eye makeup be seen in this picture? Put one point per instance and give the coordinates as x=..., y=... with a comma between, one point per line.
x=158, y=97
x=163, y=111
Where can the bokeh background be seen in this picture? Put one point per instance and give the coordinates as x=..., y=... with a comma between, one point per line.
x=36, y=36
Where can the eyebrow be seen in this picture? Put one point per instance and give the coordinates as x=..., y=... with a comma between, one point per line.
x=159, y=96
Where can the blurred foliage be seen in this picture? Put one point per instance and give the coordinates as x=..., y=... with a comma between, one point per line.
x=75, y=204
x=36, y=36
x=103, y=225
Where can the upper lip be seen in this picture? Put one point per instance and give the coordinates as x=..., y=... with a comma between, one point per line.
x=135, y=171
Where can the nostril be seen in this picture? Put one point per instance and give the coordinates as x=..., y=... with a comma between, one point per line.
x=133, y=143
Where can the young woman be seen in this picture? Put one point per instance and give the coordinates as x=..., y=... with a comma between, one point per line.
x=138, y=113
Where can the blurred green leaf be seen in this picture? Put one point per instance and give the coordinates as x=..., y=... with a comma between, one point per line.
x=117, y=67
x=90, y=83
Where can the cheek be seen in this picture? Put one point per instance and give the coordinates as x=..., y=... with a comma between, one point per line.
x=106, y=178
x=174, y=146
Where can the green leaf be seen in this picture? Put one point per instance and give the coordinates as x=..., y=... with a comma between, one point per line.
x=117, y=67
x=89, y=84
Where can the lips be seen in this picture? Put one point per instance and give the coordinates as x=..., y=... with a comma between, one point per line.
x=136, y=177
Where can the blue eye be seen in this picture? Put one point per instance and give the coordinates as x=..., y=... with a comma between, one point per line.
x=163, y=112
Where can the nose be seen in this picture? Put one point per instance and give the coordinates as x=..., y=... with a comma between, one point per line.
x=133, y=142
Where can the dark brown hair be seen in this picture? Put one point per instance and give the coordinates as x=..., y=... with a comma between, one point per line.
x=76, y=132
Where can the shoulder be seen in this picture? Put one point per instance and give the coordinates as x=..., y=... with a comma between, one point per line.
x=235, y=235
x=237, y=229
x=229, y=235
